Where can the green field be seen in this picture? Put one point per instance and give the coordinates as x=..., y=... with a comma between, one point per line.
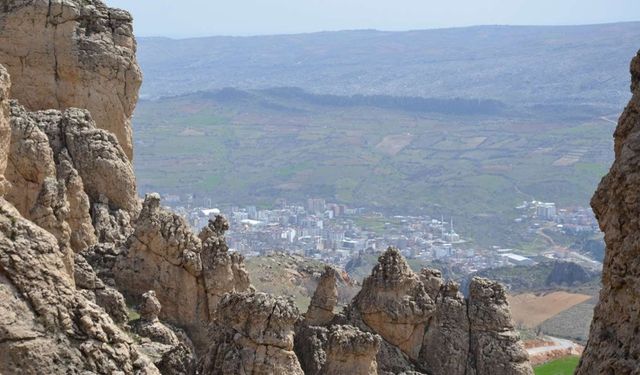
x=252, y=147
x=563, y=366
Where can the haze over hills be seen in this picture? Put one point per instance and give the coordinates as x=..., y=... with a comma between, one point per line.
x=514, y=64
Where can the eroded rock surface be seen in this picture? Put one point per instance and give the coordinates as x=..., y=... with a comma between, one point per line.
x=324, y=300
x=427, y=326
x=394, y=303
x=495, y=347
x=253, y=334
x=59, y=163
x=613, y=340
x=337, y=349
x=47, y=325
x=189, y=274
x=72, y=53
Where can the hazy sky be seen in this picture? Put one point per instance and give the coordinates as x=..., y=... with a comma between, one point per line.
x=186, y=18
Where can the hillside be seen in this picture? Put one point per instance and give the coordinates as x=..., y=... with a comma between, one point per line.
x=541, y=65
x=252, y=147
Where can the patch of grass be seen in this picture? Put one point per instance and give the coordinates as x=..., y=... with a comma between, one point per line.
x=132, y=314
x=562, y=366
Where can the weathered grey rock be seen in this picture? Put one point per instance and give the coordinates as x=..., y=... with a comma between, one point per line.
x=46, y=325
x=188, y=276
x=445, y=348
x=613, y=340
x=72, y=53
x=336, y=349
x=495, y=347
x=102, y=164
x=324, y=300
x=149, y=325
x=103, y=295
x=253, y=334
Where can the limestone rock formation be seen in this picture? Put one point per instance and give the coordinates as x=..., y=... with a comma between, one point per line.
x=445, y=347
x=324, y=300
x=59, y=163
x=95, y=290
x=149, y=325
x=394, y=303
x=253, y=334
x=189, y=275
x=47, y=325
x=222, y=270
x=71, y=53
x=613, y=341
x=172, y=355
x=495, y=347
x=337, y=349
x=428, y=326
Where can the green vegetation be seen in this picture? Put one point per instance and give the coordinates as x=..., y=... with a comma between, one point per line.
x=562, y=366
x=252, y=147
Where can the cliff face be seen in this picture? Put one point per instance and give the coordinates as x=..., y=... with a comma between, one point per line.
x=63, y=54
x=613, y=341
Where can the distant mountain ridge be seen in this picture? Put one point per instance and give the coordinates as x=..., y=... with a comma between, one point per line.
x=513, y=64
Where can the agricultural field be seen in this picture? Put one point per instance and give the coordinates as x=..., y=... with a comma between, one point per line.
x=530, y=310
x=253, y=147
x=562, y=366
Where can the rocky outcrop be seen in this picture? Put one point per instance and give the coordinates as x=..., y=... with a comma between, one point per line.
x=95, y=290
x=445, y=346
x=428, y=326
x=612, y=347
x=189, y=274
x=59, y=163
x=72, y=53
x=324, y=300
x=337, y=349
x=172, y=354
x=252, y=334
x=494, y=345
x=222, y=271
x=47, y=326
x=394, y=303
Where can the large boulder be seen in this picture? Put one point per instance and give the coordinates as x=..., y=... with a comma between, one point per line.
x=72, y=53
x=613, y=347
x=336, y=349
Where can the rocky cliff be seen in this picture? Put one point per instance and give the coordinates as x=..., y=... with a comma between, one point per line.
x=613, y=341
x=75, y=241
x=62, y=54
x=428, y=326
